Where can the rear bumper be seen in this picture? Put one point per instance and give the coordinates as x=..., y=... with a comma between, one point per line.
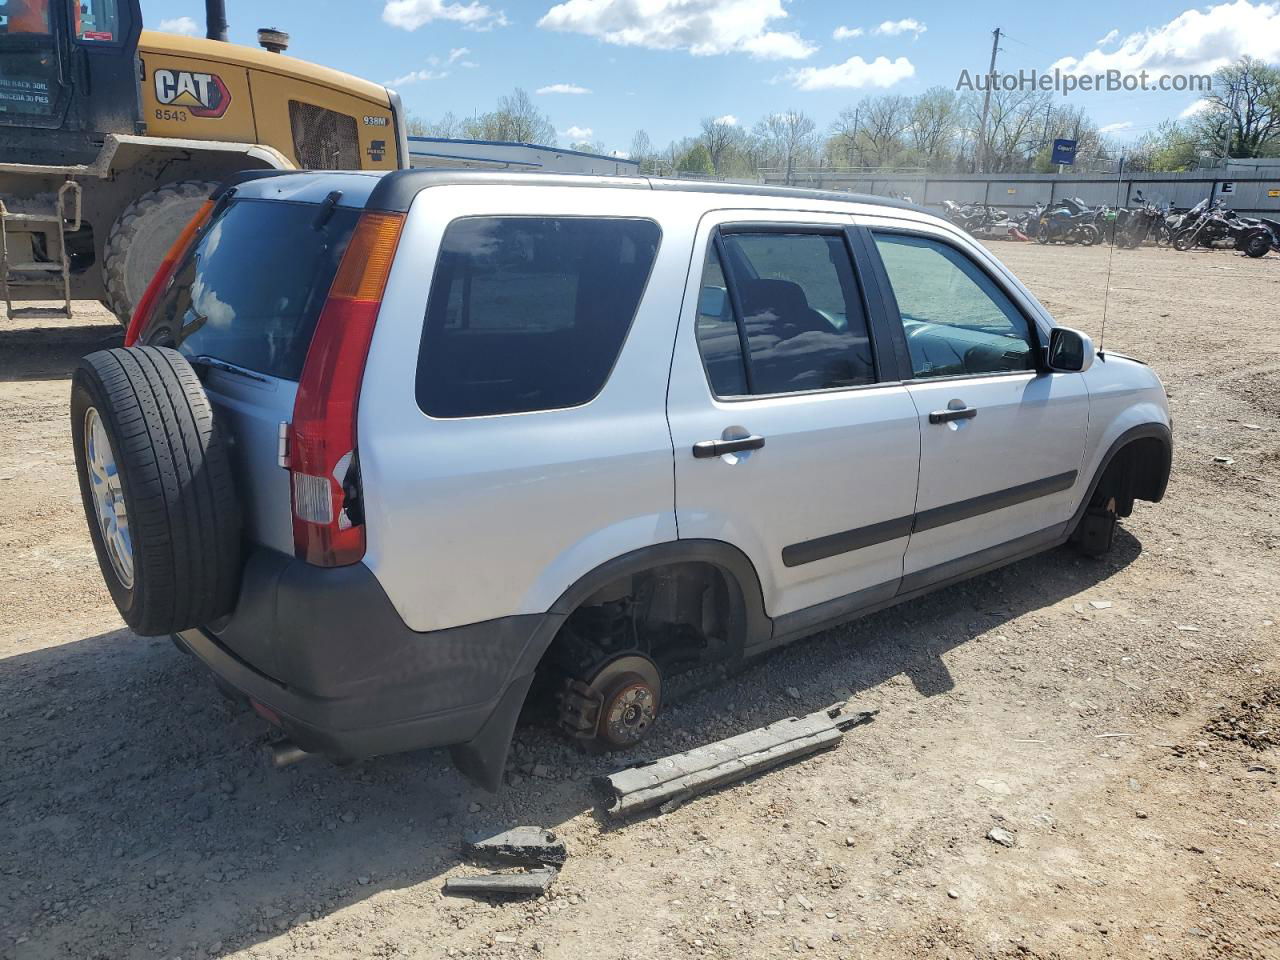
x=325, y=651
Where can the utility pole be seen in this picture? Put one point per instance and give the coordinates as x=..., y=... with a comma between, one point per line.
x=980, y=151
x=1231, y=122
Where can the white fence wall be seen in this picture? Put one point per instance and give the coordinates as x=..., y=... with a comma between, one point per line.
x=1249, y=192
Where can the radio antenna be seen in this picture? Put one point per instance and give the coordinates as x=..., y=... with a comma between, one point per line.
x=1106, y=293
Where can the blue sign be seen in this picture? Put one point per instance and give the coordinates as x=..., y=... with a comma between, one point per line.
x=1064, y=151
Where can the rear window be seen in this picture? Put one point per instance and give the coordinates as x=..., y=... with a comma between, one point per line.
x=529, y=313
x=253, y=287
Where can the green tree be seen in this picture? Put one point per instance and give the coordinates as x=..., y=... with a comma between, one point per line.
x=696, y=160
x=1241, y=115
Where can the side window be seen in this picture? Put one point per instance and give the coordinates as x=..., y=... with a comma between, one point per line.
x=529, y=313
x=97, y=20
x=801, y=316
x=957, y=320
x=717, y=330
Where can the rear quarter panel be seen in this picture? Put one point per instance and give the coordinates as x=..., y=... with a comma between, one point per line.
x=475, y=518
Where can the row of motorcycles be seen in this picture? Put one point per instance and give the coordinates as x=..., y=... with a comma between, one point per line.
x=1072, y=221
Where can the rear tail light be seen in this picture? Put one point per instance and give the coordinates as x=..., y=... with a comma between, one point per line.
x=164, y=273
x=328, y=523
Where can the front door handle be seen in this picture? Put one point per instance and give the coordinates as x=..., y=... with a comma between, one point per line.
x=706, y=449
x=946, y=416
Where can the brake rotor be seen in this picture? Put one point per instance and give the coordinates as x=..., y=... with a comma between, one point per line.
x=630, y=695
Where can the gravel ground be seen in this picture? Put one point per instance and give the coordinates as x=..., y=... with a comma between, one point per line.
x=1119, y=719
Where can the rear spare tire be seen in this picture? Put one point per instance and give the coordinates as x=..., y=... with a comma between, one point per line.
x=157, y=488
x=142, y=235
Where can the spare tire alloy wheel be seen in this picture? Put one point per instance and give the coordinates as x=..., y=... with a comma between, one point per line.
x=157, y=488
x=108, y=497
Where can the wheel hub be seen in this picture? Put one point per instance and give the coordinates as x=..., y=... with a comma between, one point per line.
x=108, y=497
x=616, y=706
x=628, y=711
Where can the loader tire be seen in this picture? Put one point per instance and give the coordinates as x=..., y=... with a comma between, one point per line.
x=142, y=235
x=157, y=488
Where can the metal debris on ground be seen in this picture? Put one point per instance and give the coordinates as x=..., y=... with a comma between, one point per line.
x=669, y=782
x=529, y=883
x=532, y=847
x=518, y=847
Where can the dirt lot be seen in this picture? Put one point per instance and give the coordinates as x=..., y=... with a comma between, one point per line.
x=1130, y=745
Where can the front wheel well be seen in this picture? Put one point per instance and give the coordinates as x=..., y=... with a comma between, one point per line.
x=1138, y=471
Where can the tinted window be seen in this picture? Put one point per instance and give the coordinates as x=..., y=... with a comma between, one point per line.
x=252, y=290
x=957, y=320
x=801, y=313
x=717, y=333
x=529, y=313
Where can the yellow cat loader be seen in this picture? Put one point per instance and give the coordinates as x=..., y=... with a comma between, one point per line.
x=111, y=137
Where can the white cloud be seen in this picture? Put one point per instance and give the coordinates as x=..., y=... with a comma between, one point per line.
x=891, y=28
x=457, y=53
x=576, y=134
x=412, y=14
x=1116, y=127
x=1198, y=106
x=847, y=33
x=702, y=27
x=571, y=88
x=854, y=72
x=183, y=25
x=1195, y=41
x=417, y=76
x=729, y=120
x=1111, y=37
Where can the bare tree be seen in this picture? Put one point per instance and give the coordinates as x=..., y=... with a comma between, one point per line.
x=884, y=120
x=932, y=127
x=843, y=143
x=516, y=118
x=642, y=150
x=719, y=138
x=790, y=136
x=447, y=126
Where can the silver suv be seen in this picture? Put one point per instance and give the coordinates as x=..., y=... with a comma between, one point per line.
x=383, y=451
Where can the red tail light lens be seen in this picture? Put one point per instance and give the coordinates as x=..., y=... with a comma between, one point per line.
x=164, y=273
x=328, y=527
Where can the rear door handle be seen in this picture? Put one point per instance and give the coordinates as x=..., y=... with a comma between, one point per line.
x=946, y=416
x=706, y=449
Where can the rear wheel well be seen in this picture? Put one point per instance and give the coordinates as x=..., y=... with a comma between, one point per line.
x=679, y=614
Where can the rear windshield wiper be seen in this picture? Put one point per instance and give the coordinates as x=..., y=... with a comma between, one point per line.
x=203, y=360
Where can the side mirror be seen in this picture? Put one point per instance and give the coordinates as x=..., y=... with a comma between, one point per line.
x=1069, y=351
x=713, y=301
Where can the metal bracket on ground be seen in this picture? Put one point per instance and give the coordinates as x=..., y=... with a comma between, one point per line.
x=669, y=782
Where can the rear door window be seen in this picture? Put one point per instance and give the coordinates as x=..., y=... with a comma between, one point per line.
x=252, y=289
x=529, y=313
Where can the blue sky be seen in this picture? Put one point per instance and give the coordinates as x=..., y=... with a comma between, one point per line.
x=609, y=67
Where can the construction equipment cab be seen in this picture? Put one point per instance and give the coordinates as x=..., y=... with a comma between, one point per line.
x=112, y=136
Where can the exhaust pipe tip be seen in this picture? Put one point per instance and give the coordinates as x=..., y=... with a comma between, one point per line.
x=273, y=40
x=285, y=753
